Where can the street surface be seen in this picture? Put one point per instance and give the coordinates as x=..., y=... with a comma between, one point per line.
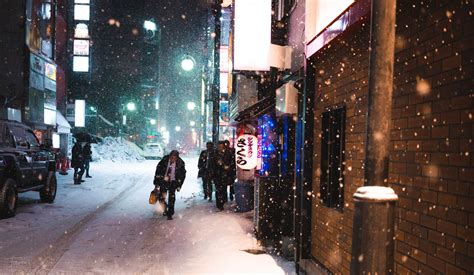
x=107, y=226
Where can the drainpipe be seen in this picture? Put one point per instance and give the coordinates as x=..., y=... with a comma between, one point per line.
x=373, y=230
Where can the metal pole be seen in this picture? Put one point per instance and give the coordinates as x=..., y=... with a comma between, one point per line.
x=382, y=43
x=216, y=84
x=373, y=228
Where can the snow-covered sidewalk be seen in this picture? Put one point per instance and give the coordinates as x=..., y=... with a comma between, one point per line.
x=106, y=226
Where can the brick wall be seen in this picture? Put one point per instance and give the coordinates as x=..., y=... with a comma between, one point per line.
x=431, y=166
x=341, y=80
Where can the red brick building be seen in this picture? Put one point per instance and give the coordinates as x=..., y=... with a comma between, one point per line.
x=431, y=158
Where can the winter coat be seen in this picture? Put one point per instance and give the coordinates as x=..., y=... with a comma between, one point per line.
x=77, y=156
x=233, y=167
x=206, y=169
x=180, y=172
x=223, y=168
x=87, y=152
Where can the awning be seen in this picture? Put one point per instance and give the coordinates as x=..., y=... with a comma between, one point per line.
x=262, y=106
x=63, y=125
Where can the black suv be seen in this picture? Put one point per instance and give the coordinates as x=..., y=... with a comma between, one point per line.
x=25, y=165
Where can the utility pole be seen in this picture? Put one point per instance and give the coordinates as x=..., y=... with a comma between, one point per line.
x=373, y=229
x=216, y=78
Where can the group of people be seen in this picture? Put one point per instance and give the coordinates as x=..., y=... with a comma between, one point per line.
x=81, y=158
x=217, y=167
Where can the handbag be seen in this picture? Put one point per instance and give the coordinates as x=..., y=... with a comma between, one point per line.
x=153, y=197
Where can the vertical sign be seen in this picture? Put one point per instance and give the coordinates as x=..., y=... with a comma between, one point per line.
x=80, y=113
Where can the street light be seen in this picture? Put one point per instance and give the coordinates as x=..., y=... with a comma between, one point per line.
x=191, y=106
x=149, y=25
x=177, y=128
x=152, y=121
x=131, y=106
x=192, y=123
x=187, y=63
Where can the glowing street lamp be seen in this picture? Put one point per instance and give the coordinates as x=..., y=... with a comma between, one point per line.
x=152, y=121
x=192, y=123
x=131, y=106
x=191, y=106
x=177, y=128
x=149, y=25
x=187, y=64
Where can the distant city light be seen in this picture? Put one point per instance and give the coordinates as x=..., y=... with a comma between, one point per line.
x=152, y=121
x=187, y=64
x=191, y=106
x=192, y=123
x=177, y=128
x=131, y=106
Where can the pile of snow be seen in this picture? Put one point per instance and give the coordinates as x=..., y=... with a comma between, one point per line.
x=115, y=149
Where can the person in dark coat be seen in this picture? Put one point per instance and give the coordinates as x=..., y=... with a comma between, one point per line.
x=87, y=158
x=232, y=170
x=222, y=173
x=206, y=169
x=77, y=162
x=169, y=178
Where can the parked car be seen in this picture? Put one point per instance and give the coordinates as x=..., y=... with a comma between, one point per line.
x=153, y=151
x=25, y=165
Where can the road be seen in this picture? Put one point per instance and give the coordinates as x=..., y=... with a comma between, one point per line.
x=106, y=226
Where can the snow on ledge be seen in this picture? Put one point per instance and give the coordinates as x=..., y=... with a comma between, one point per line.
x=375, y=194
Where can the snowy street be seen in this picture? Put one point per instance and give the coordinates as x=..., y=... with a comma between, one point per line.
x=105, y=225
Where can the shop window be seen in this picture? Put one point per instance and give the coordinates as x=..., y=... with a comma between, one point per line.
x=332, y=158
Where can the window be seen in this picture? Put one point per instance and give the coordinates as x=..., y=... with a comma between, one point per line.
x=20, y=137
x=332, y=158
x=32, y=140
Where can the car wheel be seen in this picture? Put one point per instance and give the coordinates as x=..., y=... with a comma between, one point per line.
x=8, y=199
x=48, y=192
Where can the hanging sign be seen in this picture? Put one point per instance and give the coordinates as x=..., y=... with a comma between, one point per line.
x=246, y=152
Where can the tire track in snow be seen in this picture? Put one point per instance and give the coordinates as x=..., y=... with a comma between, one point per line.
x=49, y=257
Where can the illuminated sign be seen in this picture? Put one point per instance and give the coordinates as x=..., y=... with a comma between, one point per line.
x=36, y=64
x=82, y=1
x=80, y=113
x=320, y=13
x=49, y=117
x=81, y=31
x=246, y=152
x=252, y=33
x=50, y=71
x=36, y=81
x=82, y=12
x=81, y=47
x=80, y=64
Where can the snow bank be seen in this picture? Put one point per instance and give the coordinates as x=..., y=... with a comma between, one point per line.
x=116, y=150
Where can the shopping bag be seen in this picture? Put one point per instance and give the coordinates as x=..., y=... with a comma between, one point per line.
x=153, y=197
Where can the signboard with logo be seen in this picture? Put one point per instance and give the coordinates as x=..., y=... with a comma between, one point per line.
x=81, y=47
x=246, y=151
x=37, y=64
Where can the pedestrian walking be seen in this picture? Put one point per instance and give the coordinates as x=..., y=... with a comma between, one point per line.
x=206, y=165
x=232, y=170
x=169, y=178
x=87, y=158
x=222, y=173
x=77, y=162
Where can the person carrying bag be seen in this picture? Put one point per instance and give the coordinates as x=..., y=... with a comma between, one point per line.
x=169, y=178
